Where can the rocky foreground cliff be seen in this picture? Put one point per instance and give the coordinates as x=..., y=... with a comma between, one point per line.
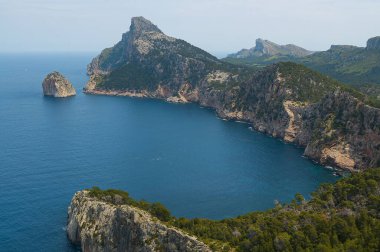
x=56, y=85
x=110, y=225
x=337, y=125
x=344, y=216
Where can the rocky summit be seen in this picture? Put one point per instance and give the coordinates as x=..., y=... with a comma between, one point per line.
x=107, y=224
x=55, y=84
x=337, y=125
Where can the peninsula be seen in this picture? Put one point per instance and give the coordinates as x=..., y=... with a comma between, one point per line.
x=336, y=124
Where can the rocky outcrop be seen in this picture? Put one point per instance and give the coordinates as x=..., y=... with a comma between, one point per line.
x=284, y=100
x=344, y=132
x=373, y=43
x=55, y=84
x=99, y=225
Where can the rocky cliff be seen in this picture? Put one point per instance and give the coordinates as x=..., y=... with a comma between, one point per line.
x=285, y=100
x=336, y=127
x=343, y=216
x=110, y=225
x=373, y=43
x=55, y=84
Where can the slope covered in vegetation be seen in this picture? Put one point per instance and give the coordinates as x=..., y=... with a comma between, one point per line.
x=357, y=66
x=344, y=216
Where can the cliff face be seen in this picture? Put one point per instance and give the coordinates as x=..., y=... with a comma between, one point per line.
x=337, y=130
x=99, y=225
x=284, y=100
x=55, y=84
x=373, y=43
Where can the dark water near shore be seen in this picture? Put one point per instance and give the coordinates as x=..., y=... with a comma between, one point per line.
x=180, y=155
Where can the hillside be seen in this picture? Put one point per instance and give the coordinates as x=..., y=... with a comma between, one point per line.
x=344, y=216
x=353, y=65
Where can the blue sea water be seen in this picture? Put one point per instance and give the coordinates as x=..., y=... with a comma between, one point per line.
x=181, y=155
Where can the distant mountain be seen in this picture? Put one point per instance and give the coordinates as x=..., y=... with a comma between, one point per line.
x=358, y=66
x=285, y=100
x=267, y=52
x=350, y=64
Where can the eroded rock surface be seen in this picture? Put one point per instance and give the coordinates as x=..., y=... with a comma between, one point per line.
x=55, y=84
x=99, y=225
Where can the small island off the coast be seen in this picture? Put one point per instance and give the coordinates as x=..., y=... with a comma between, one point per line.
x=56, y=85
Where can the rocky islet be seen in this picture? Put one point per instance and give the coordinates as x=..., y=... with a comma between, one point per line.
x=56, y=85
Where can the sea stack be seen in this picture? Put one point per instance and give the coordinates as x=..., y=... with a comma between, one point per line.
x=56, y=85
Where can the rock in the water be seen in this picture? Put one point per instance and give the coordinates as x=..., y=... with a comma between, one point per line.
x=102, y=226
x=55, y=84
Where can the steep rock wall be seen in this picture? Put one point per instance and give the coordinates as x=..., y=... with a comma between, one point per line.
x=102, y=226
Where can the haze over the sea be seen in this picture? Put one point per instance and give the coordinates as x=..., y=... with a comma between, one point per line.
x=218, y=26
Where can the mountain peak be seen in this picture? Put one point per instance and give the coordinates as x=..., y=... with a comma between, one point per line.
x=266, y=47
x=141, y=24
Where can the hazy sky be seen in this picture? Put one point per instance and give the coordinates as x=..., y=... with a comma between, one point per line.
x=217, y=26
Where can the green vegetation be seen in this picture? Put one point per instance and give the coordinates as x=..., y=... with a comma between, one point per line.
x=260, y=61
x=119, y=197
x=349, y=64
x=356, y=66
x=130, y=76
x=344, y=216
x=310, y=86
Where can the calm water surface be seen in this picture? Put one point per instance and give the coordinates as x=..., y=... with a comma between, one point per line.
x=180, y=155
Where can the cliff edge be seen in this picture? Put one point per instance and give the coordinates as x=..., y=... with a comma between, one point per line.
x=110, y=225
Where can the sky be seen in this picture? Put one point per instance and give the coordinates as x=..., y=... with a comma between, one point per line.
x=217, y=26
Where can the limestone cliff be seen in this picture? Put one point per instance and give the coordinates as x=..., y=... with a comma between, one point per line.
x=285, y=100
x=108, y=225
x=55, y=84
x=336, y=127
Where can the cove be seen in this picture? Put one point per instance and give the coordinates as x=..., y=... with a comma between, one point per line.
x=178, y=154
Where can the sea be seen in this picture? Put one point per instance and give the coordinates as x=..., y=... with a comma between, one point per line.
x=181, y=155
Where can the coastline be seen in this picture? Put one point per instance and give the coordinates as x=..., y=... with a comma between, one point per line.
x=136, y=94
x=177, y=100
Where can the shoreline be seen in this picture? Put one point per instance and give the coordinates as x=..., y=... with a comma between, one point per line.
x=146, y=95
